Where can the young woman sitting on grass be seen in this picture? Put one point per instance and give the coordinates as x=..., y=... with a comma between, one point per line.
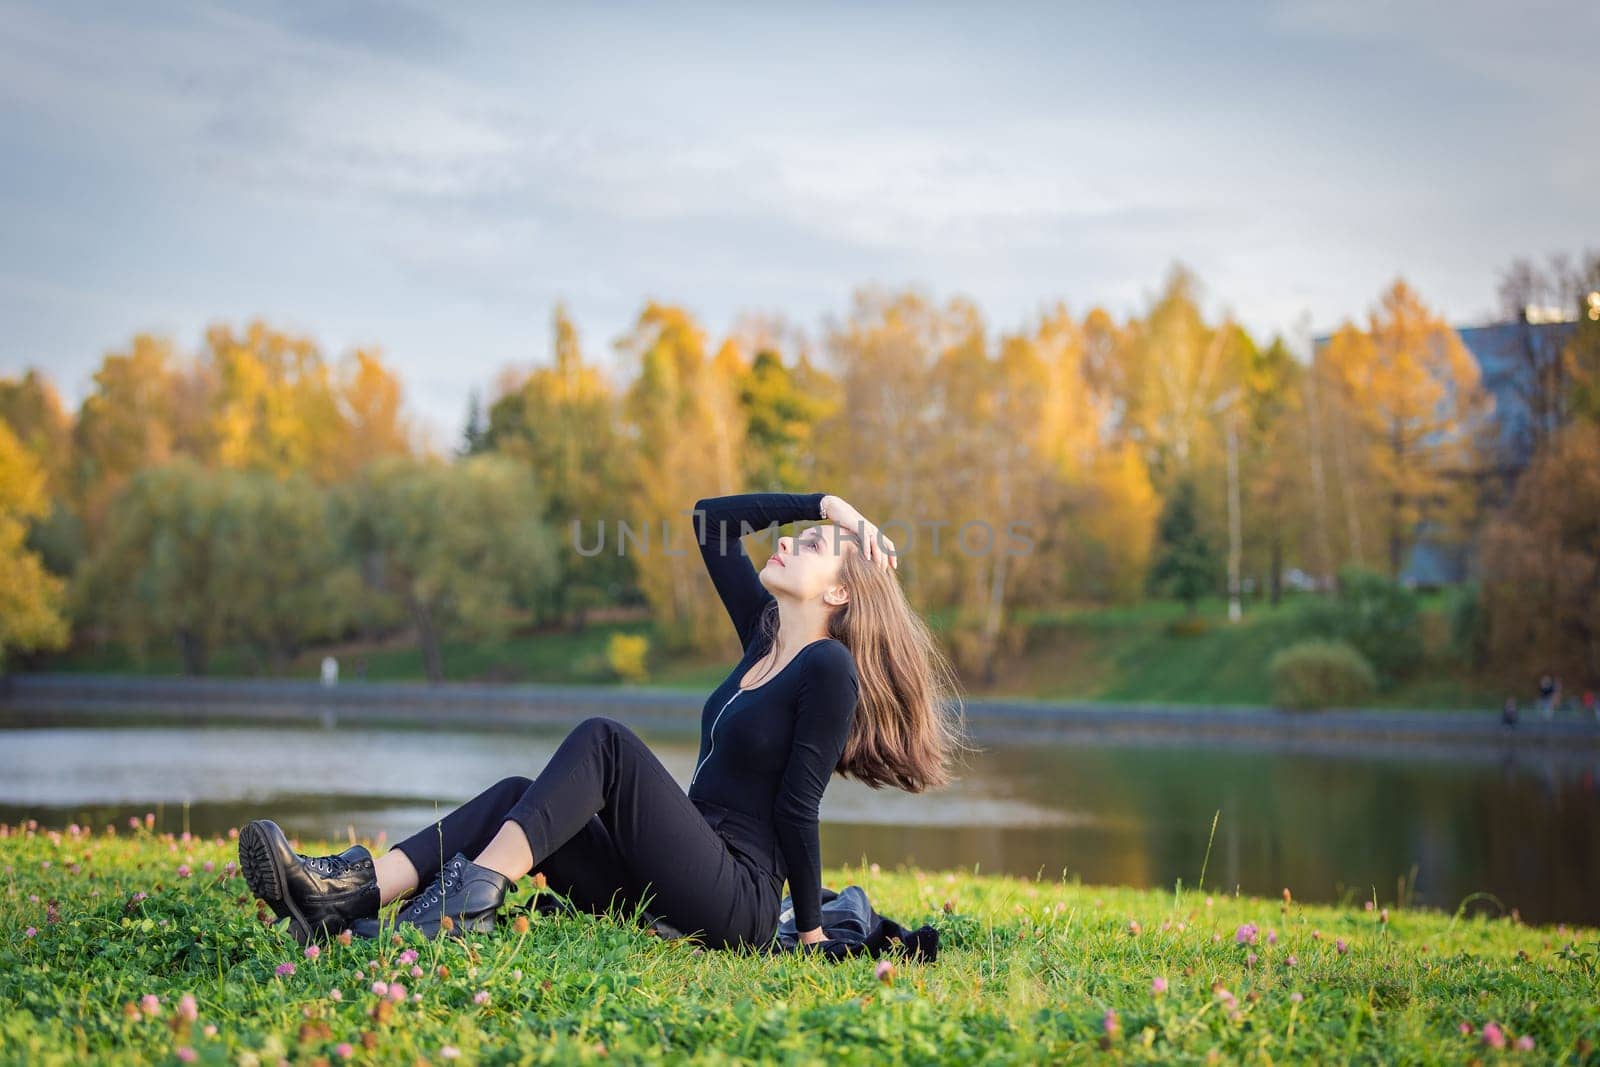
x=838, y=674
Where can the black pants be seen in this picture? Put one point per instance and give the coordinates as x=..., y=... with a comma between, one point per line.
x=609, y=827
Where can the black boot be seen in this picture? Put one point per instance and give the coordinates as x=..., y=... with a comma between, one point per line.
x=320, y=895
x=469, y=894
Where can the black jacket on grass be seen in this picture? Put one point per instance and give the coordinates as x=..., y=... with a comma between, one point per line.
x=852, y=927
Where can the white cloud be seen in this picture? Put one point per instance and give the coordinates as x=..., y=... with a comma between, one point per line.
x=385, y=188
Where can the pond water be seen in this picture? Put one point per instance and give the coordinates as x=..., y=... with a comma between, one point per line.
x=1433, y=829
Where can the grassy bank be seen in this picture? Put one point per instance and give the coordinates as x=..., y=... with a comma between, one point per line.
x=1155, y=652
x=92, y=925
x=1151, y=652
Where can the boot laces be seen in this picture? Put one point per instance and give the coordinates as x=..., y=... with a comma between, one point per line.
x=327, y=866
x=439, y=888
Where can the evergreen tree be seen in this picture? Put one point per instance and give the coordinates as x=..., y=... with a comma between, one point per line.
x=1187, y=565
x=475, y=438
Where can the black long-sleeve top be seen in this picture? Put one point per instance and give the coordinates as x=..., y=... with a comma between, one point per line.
x=769, y=752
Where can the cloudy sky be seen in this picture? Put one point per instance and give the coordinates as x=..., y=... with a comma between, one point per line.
x=431, y=180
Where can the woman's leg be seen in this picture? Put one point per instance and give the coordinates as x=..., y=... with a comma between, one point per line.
x=467, y=829
x=588, y=870
x=603, y=787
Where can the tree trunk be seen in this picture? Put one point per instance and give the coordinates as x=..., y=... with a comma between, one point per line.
x=1397, y=503
x=1352, y=516
x=1396, y=535
x=428, y=639
x=1318, y=484
x=1275, y=580
x=193, y=649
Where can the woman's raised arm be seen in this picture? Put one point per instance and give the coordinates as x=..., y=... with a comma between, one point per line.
x=720, y=522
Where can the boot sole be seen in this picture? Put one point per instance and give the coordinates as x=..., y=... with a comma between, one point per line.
x=266, y=878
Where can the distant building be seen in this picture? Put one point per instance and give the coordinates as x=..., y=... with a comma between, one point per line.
x=1504, y=352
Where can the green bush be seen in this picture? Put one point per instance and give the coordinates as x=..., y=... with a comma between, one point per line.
x=1321, y=674
x=1378, y=617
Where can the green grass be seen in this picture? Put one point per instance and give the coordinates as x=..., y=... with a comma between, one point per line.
x=1156, y=652
x=1028, y=973
x=556, y=656
x=1145, y=652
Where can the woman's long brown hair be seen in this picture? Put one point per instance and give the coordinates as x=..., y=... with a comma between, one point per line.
x=908, y=722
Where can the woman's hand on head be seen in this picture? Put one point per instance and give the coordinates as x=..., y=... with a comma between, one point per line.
x=874, y=544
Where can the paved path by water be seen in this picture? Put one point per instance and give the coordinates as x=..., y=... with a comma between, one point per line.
x=57, y=699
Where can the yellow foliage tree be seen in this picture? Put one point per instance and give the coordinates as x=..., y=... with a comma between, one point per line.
x=1177, y=367
x=371, y=401
x=1103, y=503
x=30, y=597
x=879, y=447
x=145, y=408
x=561, y=420
x=785, y=395
x=684, y=435
x=1408, y=428
x=1273, y=457
x=277, y=406
x=33, y=409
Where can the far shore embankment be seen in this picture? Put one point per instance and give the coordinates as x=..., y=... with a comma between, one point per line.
x=101, y=699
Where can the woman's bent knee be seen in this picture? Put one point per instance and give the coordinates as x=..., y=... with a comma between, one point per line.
x=599, y=726
x=514, y=783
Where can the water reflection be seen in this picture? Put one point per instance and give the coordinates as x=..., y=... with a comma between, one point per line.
x=1523, y=826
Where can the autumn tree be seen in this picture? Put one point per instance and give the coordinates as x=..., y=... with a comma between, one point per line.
x=147, y=406
x=1176, y=368
x=371, y=405
x=1096, y=507
x=684, y=436
x=32, y=408
x=782, y=406
x=1411, y=418
x=1541, y=565
x=1273, y=446
x=879, y=446
x=1179, y=383
x=991, y=475
x=275, y=404
x=30, y=597
x=254, y=399
x=561, y=421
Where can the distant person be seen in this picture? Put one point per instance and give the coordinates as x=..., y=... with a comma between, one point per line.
x=1508, y=713
x=361, y=668
x=1547, y=692
x=604, y=821
x=330, y=671
x=1591, y=709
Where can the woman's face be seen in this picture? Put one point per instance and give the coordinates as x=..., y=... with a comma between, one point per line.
x=808, y=565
